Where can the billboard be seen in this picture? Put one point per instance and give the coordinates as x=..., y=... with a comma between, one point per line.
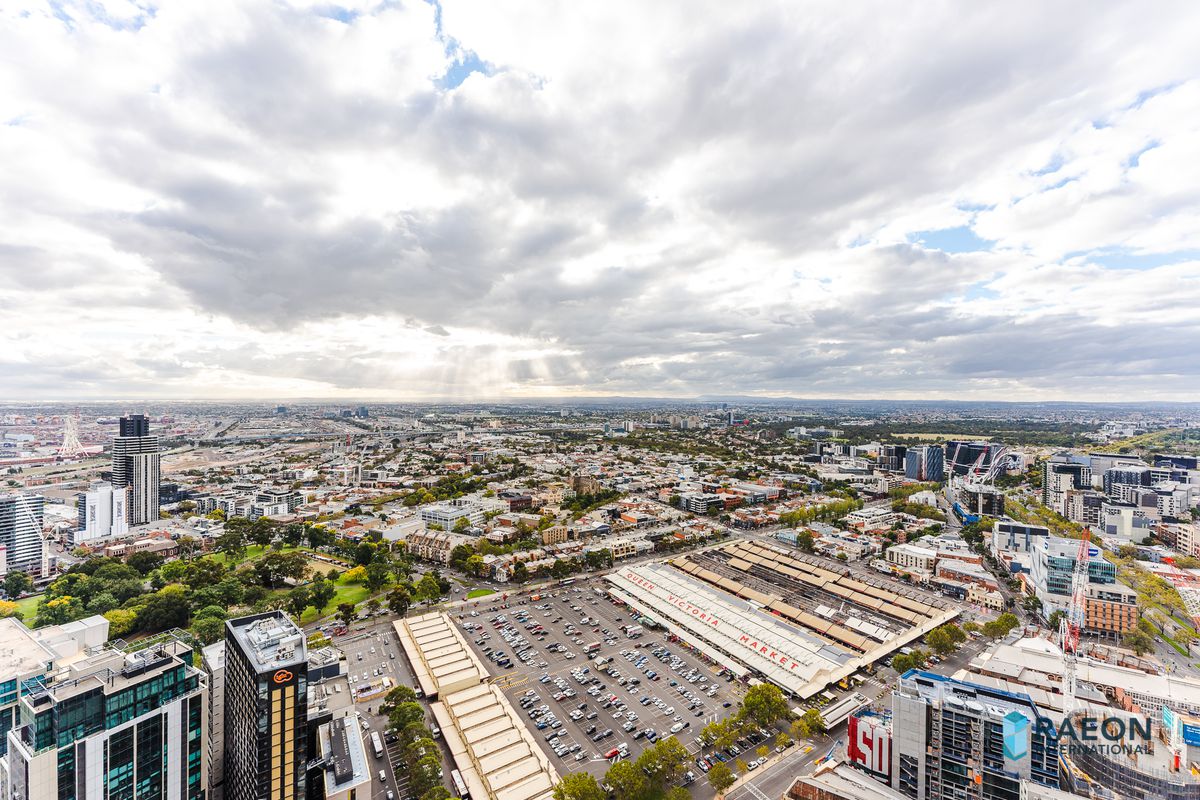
x=869, y=743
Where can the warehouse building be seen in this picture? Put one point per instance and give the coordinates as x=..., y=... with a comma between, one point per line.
x=441, y=659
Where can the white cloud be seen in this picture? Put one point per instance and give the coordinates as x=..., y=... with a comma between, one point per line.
x=243, y=199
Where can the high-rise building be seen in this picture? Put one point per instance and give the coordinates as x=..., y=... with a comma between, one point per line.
x=102, y=513
x=1061, y=473
x=266, y=706
x=22, y=517
x=891, y=457
x=135, y=465
x=117, y=724
x=212, y=659
x=952, y=738
x=924, y=463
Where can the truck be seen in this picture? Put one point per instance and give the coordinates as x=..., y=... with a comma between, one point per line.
x=588, y=649
x=634, y=631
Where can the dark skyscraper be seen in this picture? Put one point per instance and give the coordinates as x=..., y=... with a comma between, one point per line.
x=135, y=464
x=266, y=689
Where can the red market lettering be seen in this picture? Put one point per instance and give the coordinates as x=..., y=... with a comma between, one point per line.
x=774, y=655
x=698, y=613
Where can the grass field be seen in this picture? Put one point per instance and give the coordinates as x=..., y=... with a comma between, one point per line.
x=28, y=608
x=471, y=595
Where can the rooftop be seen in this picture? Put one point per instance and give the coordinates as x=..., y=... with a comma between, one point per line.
x=21, y=653
x=270, y=640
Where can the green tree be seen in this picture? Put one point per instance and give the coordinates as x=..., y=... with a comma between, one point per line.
x=144, y=562
x=428, y=588
x=398, y=600
x=720, y=778
x=476, y=566
x=299, y=599
x=378, y=575
x=165, y=609
x=812, y=720
x=322, y=593
x=403, y=714
x=461, y=524
x=208, y=629
x=347, y=613
x=765, y=704
x=459, y=556
x=1136, y=640
x=59, y=610
x=17, y=583
x=520, y=573
x=1055, y=620
x=940, y=641
x=105, y=601
x=804, y=541
x=233, y=545
x=578, y=786
x=627, y=781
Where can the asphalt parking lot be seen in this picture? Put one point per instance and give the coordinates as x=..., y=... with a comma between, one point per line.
x=594, y=698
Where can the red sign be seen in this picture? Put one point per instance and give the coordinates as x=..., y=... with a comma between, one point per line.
x=283, y=676
x=869, y=744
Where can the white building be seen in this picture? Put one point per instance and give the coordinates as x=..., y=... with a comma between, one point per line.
x=913, y=559
x=105, y=513
x=449, y=512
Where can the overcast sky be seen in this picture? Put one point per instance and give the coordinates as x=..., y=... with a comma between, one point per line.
x=482, y=199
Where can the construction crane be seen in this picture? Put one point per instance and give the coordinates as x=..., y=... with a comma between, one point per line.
x=1073, y=622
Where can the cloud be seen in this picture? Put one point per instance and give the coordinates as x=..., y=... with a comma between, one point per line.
x=476, y=200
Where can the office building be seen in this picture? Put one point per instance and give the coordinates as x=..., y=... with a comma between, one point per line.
x=1083, y=506
x=1062, y=473
x=266, y=708
x=22, y=517
x=891, y=457
x=952, y=738
x=136, y=466
x=102, y=513
x=1126, y=475
x=925, y=463
x=112, y=725
x=1111, y=607
x=449, y=512
x=212, y=659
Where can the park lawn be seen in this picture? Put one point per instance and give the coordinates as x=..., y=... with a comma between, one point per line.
x=28, y=608
x=471, y=595
x=253, y=553
x=353, y=593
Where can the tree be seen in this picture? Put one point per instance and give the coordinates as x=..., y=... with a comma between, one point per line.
x=762, y=751
x=461, y=524
x=322, y=593
x=208, y=629
x=765, y=704
x=393, y=699
x=578, y=786
x=971, y=626
x=1056, y=618
x=720, y=778
x=459, y=556
x=378, y=575
x=520, y=573
x=17, y=583
x=398, y=601
x=1136, y=640
x=347, y=613
x=10, y=609
x=812, y=720
x=627, y=781
x=299, y=599
x=664, y=761
x=144, y=562
x=403, y=714
x=428, y=588
x=783, y=740
x=105, y=601
x=121, y=622
x=355, y=575
x=804, y=541
x=59, y=610
x=940, y=641
x=165, y=609
x=438, y=792
x=233, y=545
x=476, y=566
x=372, y=605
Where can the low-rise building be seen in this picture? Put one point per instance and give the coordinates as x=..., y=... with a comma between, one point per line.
x=912, y=559
x=435, y=545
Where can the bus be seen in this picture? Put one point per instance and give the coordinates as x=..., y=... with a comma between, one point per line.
x=460, y=786
x=566, y=581
x=377, y=744
x=588, y=649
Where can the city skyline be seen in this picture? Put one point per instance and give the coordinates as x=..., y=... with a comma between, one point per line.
x=433, y=200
